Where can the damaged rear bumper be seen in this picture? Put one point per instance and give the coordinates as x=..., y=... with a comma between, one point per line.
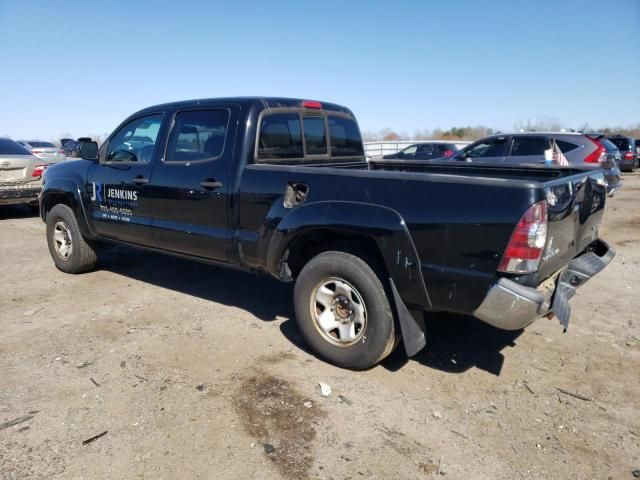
x=511, y=306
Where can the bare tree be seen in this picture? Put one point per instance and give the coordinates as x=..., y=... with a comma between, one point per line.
x=541, y=124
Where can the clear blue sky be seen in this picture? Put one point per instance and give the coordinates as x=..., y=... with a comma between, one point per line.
x=81, y=67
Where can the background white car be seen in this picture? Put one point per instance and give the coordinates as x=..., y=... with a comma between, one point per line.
x=47, y=151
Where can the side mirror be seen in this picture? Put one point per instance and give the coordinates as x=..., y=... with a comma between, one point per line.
x=89, y=151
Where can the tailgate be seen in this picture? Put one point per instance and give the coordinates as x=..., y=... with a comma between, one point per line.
x=575, y=207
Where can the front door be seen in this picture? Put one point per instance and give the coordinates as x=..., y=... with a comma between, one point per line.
x=119, y=204
x=190, y=184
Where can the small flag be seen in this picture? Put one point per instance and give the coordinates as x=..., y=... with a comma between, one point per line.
x=558, y=157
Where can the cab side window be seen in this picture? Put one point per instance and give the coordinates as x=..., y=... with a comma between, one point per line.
x=198, y=135
x=136, y=141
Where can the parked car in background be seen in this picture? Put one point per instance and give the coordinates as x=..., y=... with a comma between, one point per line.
x=628, y=152
x=376, y=150
x=20, y=174
x=63, y=141
x=44, y=150
x=589, y=150
x=72, y=147
x=424, y=151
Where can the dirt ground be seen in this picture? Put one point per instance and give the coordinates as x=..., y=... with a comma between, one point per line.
x=196, y=372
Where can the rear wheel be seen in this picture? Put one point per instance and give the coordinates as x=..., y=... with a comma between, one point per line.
x=70, y=251
x=343, y=311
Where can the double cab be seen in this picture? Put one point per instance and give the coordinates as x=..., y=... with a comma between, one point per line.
x=281, y=186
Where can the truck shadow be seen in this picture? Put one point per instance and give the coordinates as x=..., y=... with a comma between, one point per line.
x=260, y=295
x=8, y=212
x=455, y=343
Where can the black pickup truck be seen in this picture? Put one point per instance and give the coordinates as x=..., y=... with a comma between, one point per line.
x=281, y=186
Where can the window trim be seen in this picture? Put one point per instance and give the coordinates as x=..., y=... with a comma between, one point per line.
x=122, y=125
x=306, y=158
x=172, y=125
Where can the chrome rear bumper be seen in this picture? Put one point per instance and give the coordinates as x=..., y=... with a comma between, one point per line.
x=511, y=306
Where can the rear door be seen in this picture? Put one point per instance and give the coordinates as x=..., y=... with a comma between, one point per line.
x=190, y=186
x=119, y=205
x=528, y=149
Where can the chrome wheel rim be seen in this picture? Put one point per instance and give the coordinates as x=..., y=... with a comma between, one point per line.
x=62, y=240
x=338, y=311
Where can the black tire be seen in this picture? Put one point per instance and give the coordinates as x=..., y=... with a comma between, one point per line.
x=375, y=340
x=81, y=255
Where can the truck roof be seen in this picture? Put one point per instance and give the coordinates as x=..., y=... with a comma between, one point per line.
x=264, y=102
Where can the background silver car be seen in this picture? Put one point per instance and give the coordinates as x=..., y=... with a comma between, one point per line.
x=45, y=150
x=580, y=149
x=20, y=175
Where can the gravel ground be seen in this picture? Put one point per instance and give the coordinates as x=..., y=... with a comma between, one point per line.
x=199, y=372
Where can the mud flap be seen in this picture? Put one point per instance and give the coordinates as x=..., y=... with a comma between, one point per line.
x=412, y=327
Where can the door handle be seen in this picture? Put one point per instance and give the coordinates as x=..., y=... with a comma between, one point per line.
x=140, y=180
x=210, y=184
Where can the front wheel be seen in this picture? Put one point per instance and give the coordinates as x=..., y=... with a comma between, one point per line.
x=343, y=311
x=70, y=251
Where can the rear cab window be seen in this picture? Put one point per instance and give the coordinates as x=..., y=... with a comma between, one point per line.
x=300, y=135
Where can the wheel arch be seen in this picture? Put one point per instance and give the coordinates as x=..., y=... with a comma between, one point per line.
x=378, y=231
x=65, y=192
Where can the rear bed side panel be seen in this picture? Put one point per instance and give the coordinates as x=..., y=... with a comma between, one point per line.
x=474, y=225
x=459, y=225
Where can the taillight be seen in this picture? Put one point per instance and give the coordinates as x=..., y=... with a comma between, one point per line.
x=599, y=155
x=312, y=104
x=524, y=250
x=38, y=170
x=628, y=156
x=61, y=151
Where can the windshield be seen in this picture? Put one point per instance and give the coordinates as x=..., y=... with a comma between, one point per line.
x=9, y=147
